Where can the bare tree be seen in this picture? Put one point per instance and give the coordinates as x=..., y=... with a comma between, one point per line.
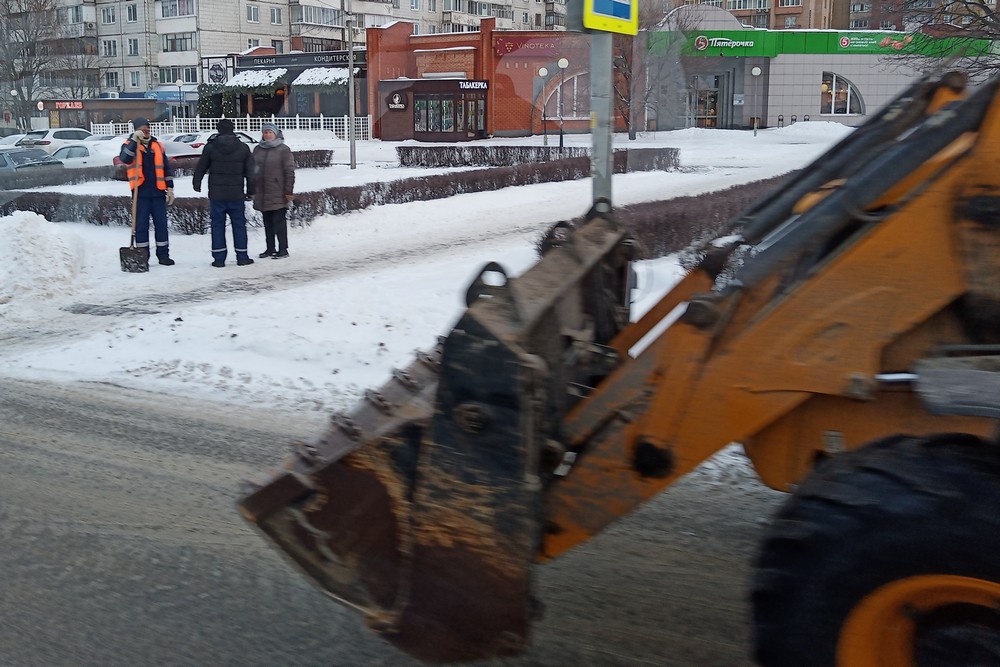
x=26, y=30
x=637, y=73
x=650, y=76
x=75, y=69
x=958, y=32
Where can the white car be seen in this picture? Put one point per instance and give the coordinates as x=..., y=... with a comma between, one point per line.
x=192, y=143
x=92, y=154
x=52, y=139
x=11, y=140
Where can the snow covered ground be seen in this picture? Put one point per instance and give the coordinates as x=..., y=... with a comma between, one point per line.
x=358, y=295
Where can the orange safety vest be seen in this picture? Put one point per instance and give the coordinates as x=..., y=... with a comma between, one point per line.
x=135, y=175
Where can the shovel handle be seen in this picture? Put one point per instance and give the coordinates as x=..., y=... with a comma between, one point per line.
x=135, y=199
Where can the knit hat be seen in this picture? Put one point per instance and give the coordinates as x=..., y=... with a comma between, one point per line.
x=270, y=126
x=139, y=121
x=225, y=126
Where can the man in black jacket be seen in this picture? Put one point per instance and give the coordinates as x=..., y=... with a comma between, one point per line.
x=229, y=166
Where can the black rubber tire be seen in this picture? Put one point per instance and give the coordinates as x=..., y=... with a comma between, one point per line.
x=899, y=507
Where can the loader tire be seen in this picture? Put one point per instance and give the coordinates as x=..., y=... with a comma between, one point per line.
x=903, y=533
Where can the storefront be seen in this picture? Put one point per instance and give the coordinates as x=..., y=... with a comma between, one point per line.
x=732, y=77
x=288, y=84
x=433, y=109
x=83, y=113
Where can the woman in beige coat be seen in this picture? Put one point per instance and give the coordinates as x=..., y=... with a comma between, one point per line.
x=275, y=181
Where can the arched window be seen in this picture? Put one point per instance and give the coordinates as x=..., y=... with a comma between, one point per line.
x=571, y=98
x=839, y=96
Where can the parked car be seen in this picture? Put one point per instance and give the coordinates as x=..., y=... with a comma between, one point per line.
x=52, y=139
x=26, y=167
x=120, y=138
x=195, y=142
x=11, y=139
x=91, y=154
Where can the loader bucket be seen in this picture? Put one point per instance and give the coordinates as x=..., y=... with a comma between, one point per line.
x=429, y=531
x=423, y=508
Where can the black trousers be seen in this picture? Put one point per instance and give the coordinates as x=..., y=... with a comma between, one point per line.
x=276, y=226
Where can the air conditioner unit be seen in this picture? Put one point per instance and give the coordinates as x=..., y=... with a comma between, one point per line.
x=112, y=96
x=156, y=75
x=91, y=26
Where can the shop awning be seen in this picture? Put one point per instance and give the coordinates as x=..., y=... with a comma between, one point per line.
x=323, y=76
x=256, y=79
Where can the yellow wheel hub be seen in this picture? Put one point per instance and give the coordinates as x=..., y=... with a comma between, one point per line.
x=881, y=630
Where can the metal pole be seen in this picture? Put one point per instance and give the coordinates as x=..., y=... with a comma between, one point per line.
x=544, y=72
x=755, y=73
x=350, y=85
x=601, y=160
x=563, y=64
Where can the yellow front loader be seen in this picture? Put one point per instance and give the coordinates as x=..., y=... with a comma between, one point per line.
x=846, y=331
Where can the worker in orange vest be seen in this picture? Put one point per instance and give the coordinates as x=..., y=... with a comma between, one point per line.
x=151, y=178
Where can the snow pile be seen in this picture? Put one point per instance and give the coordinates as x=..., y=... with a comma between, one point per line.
x=38, y=260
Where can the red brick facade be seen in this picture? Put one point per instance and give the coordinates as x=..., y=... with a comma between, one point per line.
x=508, y=60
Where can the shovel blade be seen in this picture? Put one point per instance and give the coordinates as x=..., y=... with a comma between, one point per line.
x=134, y=260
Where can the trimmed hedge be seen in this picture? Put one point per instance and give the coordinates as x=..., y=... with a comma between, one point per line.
x=661, y=227
x=626, y=160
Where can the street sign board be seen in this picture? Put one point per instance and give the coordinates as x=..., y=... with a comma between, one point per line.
x=620, y=16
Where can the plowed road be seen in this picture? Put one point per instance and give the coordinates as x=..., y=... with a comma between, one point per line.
x=120, y=545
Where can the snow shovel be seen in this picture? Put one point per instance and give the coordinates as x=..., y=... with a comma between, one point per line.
x=134, y=260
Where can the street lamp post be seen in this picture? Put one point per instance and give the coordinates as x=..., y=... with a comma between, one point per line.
x=755, y=73
x=180, y=99
x=563, y=64
x=13, y=106
x=543, y=72
x=350, y=85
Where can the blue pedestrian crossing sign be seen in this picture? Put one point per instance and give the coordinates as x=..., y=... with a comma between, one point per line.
x=621, y=16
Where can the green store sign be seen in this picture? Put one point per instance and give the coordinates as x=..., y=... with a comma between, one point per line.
x=769, y=44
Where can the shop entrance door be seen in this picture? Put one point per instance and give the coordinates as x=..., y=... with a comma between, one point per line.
x=706, y=101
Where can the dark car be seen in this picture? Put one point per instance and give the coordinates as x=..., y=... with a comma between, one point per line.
x=27, y=167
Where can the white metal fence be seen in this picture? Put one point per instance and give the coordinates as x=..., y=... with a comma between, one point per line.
x=336, y=124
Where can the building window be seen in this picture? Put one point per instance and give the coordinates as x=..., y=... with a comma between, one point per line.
x=133, y=47
x=253, y=43
x=839, y=96
x=109, y=48
x=111, y=79
x=131, y=13
x=275, y=15
x=74, y=14
x=790, y=21
x=789, y=3
x=436, y=112
x=886, y=24
x=253, y=14
x=179, y=41
x=278, y=45
x=570, y=100
x=431, y=29
x=432, y=5
x=134, y=79
x=317, y=16
x=172, y=8
x=859, y=23
x=748, y=4
x=171, y=74
x=415, y=5
x=108, y=15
